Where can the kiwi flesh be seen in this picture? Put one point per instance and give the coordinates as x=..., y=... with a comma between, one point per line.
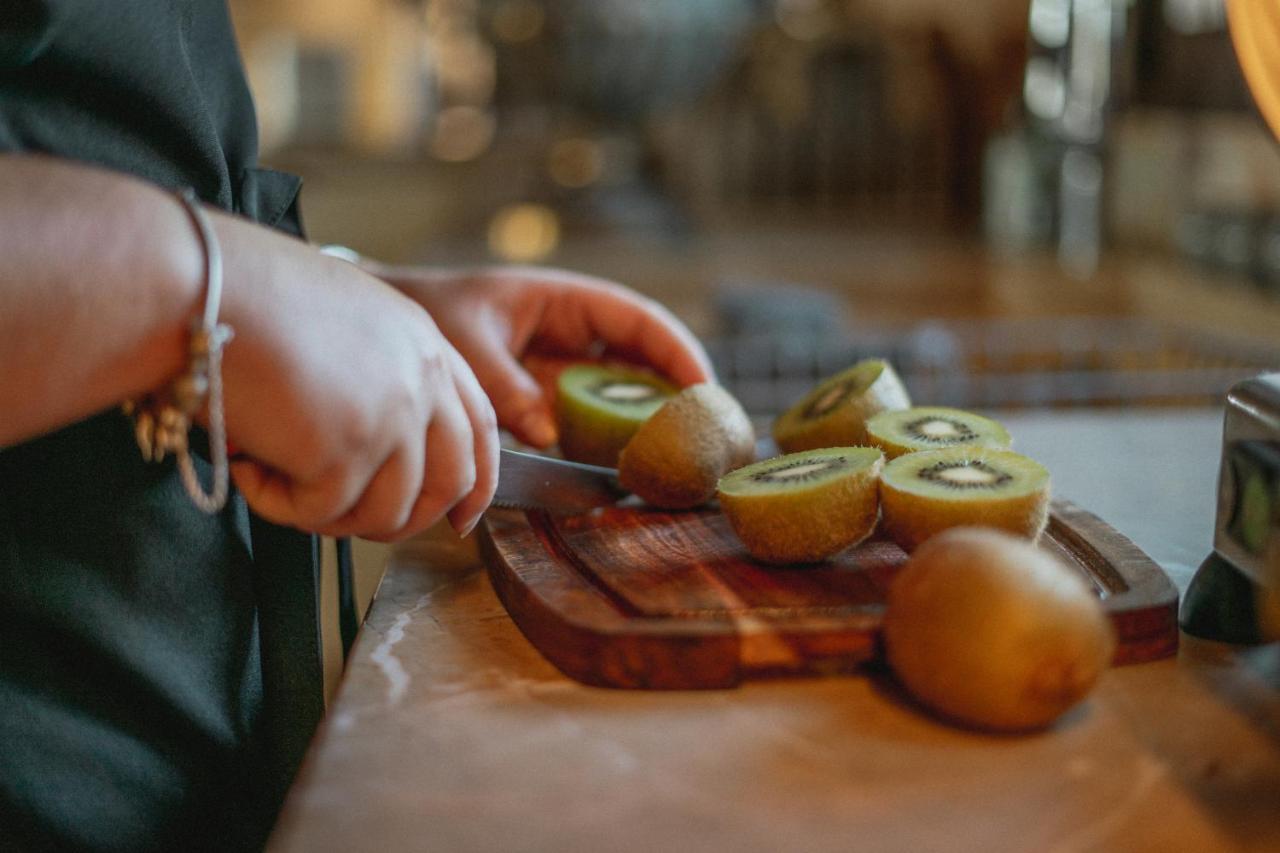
x=932, y=428
x=987, y=629
x=804, y=507
x=600, y=407
x=924, y=493
x=676, y=457
x=834, y=413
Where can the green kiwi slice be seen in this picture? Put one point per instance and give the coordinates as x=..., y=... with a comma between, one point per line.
x=929, y=491
x=834, y=413
x=804, y=507
x=932, y=428
x=599, y=407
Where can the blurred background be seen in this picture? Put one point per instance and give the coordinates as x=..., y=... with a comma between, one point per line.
x=1021, y=202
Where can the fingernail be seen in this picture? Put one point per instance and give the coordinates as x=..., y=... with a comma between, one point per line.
x=538, y=429
x=464, y=530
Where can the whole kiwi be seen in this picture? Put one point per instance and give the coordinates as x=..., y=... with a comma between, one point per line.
x=990, y=630
x=678, y=454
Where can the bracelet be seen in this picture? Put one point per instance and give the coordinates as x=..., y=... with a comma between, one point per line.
x=162, y=419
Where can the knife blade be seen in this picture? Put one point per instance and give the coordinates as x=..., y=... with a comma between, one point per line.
x=530, y=481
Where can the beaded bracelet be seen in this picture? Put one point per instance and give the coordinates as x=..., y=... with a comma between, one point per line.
x=162, y=419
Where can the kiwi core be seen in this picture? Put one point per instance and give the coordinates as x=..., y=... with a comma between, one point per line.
x=799, y=472
x=965, y=475
x=941, y=430
x=626, y=392
x=829, y=400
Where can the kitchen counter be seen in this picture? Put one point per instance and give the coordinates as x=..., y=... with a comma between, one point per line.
x=450, y=732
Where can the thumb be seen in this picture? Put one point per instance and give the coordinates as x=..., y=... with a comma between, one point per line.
x=517, y=398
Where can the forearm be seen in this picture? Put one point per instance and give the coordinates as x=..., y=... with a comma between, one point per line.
x=100, y=277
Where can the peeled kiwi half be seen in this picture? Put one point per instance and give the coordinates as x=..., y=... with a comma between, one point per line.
x=803, y=507
x=932, y=428
x=834, y=414
x=924, y=493
x=676, y=456
x=599, y=408
x=988, y=629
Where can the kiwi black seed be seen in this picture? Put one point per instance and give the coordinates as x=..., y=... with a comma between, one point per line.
x=834, y=413
x=805, y=506
x=599, y=408
x=932, y=428
x=926, y=492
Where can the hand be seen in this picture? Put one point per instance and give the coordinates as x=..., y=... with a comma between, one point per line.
x=496, y=317
x=354, y=415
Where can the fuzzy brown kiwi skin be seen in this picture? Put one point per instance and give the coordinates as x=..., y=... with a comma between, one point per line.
x=991, y=632
x=676, y=456
x=845, y=425
x=810, y=527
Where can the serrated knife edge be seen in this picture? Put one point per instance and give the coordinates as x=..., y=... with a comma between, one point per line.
x=532, y=481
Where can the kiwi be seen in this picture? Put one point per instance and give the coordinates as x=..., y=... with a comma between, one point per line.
x=834, y=413
x=932, y=428
x=803, y=507
x=990, y=630
x=929, y=491
x=676, y=456
x=599, y=408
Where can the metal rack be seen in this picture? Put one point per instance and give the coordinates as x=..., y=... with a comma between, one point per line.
x=1001, y=364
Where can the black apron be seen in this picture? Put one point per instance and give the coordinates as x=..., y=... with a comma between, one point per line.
x=159, y=669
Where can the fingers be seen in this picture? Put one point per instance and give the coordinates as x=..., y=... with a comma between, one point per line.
x=452, y=470
x=461, y=459
x=516, y=397
x=480, y=411
x=638, y=328
x=449, y=474
x=387, y=502
x=284, y=500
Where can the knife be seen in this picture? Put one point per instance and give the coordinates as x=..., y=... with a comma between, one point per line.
x=530, y=481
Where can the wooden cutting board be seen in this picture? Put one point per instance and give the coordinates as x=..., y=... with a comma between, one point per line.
x=640, y=598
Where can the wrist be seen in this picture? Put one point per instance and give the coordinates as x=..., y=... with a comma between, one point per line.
x=163, y=418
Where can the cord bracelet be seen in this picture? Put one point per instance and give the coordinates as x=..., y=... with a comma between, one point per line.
x=162, y=420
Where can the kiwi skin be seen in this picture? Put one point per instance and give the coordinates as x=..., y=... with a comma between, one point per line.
x=676, y=456
x=811, y=525
x=910, y=519
x=991, y=631
x=845, y=425
x=595, y=435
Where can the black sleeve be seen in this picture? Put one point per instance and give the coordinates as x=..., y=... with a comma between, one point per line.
x=26, y=29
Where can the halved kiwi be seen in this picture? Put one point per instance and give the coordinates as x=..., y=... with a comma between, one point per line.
x=806, y=506
x=932, y=428
x=676, y=456
x=834, y=413
x=930, y=491
x=599, y=407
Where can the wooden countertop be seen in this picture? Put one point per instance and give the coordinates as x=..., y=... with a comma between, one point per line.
x=450, y=732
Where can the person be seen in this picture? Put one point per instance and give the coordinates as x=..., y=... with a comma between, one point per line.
x=158, y=667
